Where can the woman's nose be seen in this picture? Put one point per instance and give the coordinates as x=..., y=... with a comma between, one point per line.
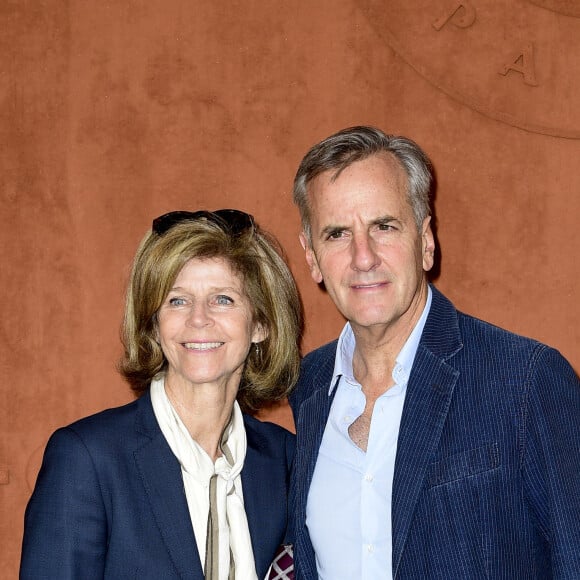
x=199, y=315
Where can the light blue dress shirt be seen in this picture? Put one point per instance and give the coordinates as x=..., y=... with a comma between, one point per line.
x=348, y=513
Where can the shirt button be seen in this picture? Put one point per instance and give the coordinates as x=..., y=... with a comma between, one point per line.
x=368, y=477
x=370, y=548
x=347, y=418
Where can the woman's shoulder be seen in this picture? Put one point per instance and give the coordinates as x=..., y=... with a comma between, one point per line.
x=270, y=441
x=266, y=427
x=106, y=417
x=263, y=433
x=108, y=428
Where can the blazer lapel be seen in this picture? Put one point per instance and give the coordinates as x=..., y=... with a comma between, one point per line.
x=258, y=503
x=265, y=497
x=310, y=430
x=429, y=394
x=161, y=476
x=311, y=423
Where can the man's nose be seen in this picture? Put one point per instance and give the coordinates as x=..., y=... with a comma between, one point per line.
x=364, y=255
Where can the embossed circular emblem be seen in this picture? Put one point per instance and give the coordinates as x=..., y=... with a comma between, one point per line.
x=516, y=62
x=567, y=7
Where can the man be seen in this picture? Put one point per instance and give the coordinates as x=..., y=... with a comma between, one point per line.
x=430, y=444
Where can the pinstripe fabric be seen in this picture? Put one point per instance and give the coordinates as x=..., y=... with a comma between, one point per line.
x=487, y=475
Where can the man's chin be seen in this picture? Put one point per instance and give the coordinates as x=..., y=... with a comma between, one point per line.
x=369, y=318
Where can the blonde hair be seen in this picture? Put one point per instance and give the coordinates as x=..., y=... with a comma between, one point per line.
x=272, y=368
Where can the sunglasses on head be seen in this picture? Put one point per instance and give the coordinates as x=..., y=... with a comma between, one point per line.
x=233, y=221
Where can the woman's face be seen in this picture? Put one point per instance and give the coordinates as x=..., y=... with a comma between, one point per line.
x=205, y=326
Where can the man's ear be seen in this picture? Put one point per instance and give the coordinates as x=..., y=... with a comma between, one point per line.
x=427, y=244
x=311, y=260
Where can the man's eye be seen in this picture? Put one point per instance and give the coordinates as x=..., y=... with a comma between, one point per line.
x=386, y=226
x=335, y=234
x=223, y=300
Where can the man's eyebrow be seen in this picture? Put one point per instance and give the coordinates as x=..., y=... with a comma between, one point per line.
x=383, y=219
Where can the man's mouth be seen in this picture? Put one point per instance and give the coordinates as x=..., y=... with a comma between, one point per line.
x=368, y=285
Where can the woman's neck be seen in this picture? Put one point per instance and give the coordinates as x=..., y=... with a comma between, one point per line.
x=205, y=411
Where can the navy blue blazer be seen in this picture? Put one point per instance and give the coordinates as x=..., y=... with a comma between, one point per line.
x=109, y=500
x=487, y=472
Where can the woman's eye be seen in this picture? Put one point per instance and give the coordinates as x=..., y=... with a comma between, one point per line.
x=223, y=300
x=176, y=301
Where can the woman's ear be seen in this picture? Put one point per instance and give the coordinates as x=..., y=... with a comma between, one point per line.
x=260, y=333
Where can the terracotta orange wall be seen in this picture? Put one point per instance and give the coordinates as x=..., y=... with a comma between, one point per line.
x=115, y=112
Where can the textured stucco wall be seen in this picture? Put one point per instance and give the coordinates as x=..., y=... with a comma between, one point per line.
x=115, y=112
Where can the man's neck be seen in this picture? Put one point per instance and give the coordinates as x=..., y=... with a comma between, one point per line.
x=377, y=346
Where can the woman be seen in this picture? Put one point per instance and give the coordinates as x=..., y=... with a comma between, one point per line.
x=179, y=483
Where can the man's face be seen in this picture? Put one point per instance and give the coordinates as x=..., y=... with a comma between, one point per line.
x=366, y=247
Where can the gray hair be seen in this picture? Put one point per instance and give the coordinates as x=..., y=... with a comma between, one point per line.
x=346, y=147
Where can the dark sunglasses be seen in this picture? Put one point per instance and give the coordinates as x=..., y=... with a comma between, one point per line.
x=233, y=221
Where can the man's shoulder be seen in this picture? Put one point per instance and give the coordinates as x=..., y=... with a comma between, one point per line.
x=317, y=366
x=322, y=354
x=450, y=328
x=315, y=373
x=472, y=344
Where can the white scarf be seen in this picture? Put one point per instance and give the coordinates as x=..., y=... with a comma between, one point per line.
x=197, y=468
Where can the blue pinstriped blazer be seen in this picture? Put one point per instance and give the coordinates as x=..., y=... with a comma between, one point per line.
x=487, y=473
x=109, y=501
